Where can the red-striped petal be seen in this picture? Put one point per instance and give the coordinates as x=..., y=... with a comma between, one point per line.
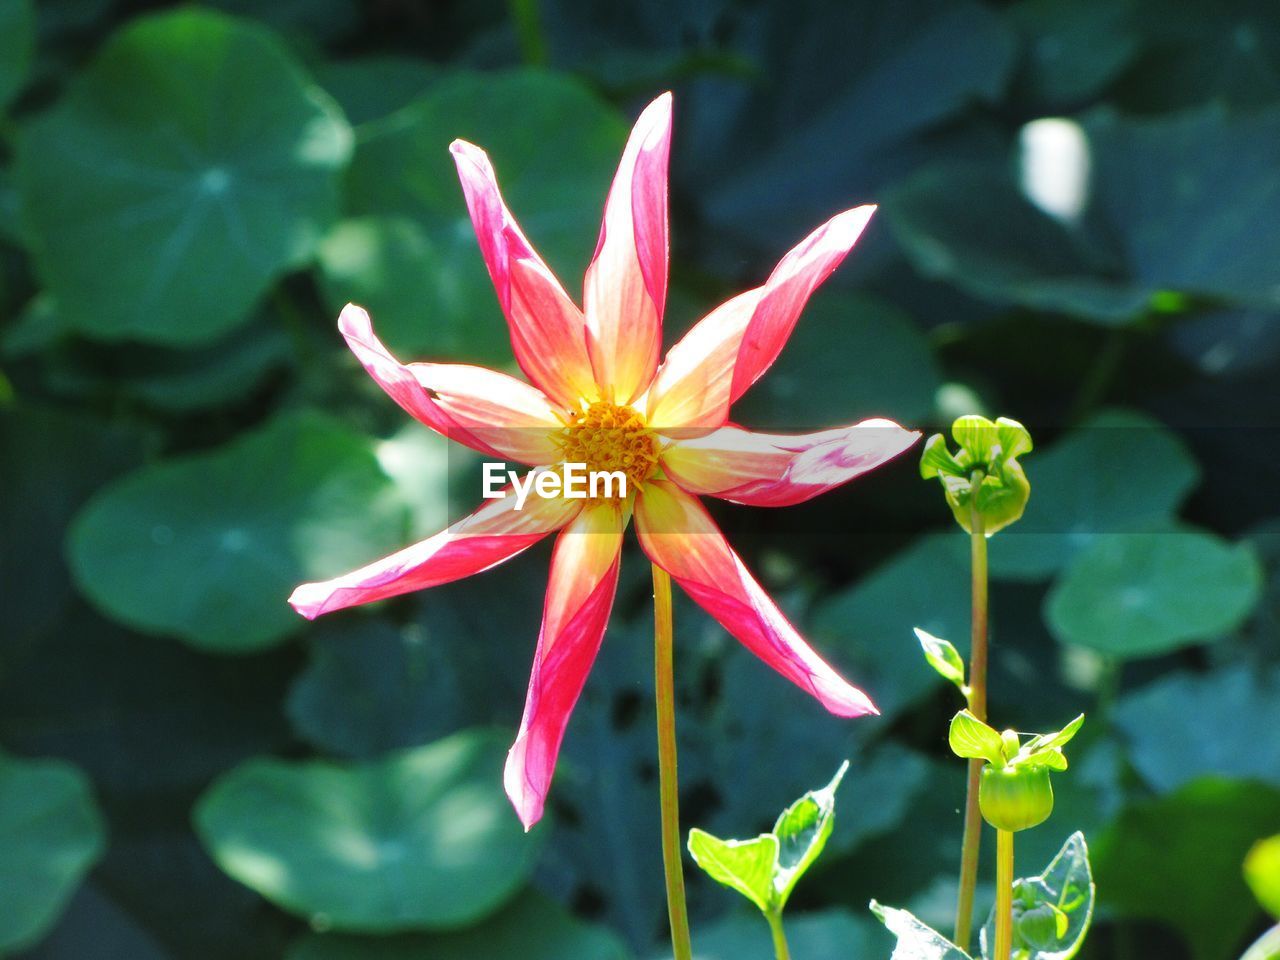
x=584, y=577
x=680, y=537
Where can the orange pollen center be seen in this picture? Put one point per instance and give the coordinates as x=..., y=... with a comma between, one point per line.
x=607, y=437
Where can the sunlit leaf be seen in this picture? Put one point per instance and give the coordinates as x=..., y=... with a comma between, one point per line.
x=916, y=940
x=747, y=866
x=421, y=839
x=189, y=167
x=1262, y=873
x=209, y=547
x=1051, y=911
x=1140, y=594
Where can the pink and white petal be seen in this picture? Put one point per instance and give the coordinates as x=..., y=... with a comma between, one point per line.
x=548, y=331
x=494, y=533
x=580, y=591
x=691, y=389
x=729, y=349
x=626, y=283
x=787, y=290
x=775, y=470
x=678, y=535
x=486, y=410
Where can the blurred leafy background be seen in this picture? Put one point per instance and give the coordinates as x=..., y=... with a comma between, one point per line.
x=1079, y=228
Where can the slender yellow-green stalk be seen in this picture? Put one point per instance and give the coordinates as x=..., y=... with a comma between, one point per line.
x=1004, y=895
x=668, y=784
x=978, y=707
x=780, y=950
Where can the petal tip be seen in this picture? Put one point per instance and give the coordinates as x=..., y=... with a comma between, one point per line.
x=305, y=602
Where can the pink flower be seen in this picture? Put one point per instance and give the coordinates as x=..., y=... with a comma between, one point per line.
x=598, y=395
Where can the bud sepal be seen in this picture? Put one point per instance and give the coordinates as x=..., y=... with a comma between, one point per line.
x=984, y=475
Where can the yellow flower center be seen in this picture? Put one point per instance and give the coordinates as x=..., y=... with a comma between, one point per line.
x=607, y=437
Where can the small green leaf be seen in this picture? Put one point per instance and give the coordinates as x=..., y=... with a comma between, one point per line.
x=916, y=939
x=747, y=866
x=1262, y=873
x=802, y=831
x=974, y=740
x=1051, y=912
x=943, y=657
x=1052, y=741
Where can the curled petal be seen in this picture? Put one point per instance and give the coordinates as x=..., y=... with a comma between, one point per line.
x=729, y=349
x=626, y=283
x=494, y=533
x=486, y=410
x=584, y=577
x=548, y=332
x=771, y=470
x=679, y=536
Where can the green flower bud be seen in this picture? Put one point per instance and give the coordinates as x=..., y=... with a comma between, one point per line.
x=1015, y=797
x=1039, y=927
x=984, y=474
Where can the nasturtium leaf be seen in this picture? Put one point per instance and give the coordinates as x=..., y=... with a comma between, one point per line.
x=370, y=88
x=40, y=497
x=190, y=166
x=1262, y=873
x=371, y=687
x=17, y=45
x=208, y=547
x=916, y=939
x=531, y=927
x=423, y=839
x=1160, y=213
x=747, y=866
x=850, y=357
x=1183, y=726
x=1177, y=858
x=1119, y=472
x=51, y=833
x=943, y=657
x=870, y=624
x=825, y=933
x=430, y=286
x=1142, y=594
x=1051, y=911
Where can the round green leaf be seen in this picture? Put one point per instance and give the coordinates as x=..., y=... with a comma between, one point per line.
x=17, y=44
x=422, y=839
x=372, y=87
x=50, y=835
x=209, y=547
x=554, y=147
x=1183, y=726
x=1121, y=472
x=850, y=357
x=531, y=928
x=189, y=167
x=1142, y=594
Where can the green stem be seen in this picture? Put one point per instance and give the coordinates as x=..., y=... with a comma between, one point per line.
x=668, y=783
x=1004, y=895
x=533, y=46
x=780, y=950
x=978, y=706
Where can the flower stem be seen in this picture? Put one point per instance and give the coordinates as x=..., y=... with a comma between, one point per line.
x=668, y=784
x=978, y=706
x=1004, y=895
x=780, y=950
